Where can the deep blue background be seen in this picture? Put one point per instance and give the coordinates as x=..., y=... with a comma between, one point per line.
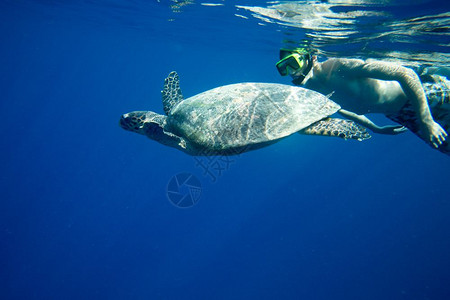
x=84, y=213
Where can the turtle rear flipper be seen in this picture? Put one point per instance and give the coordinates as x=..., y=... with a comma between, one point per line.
x=171, y=93
x=345, y=129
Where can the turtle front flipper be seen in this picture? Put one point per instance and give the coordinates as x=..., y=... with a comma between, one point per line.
x=342, y=128
x=171, y=93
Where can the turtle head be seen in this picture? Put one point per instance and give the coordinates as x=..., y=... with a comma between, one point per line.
x=152, y=125
x=143, y=122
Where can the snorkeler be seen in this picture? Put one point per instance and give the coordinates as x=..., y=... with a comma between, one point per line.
x=362, y=87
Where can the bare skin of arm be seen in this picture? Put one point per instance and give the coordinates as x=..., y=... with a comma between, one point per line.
x=366, y=122
x=409, y=81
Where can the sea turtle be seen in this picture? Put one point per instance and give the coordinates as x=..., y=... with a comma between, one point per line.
x=235, y=118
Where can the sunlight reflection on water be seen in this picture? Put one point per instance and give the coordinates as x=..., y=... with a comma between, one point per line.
x=413, y=32
x=366, y=28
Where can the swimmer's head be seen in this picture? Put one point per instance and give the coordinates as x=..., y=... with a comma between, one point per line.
x=295, y=62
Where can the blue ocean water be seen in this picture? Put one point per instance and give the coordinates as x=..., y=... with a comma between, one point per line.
x=84, y=210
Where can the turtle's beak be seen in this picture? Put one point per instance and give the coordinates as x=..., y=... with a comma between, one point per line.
x=125, y=122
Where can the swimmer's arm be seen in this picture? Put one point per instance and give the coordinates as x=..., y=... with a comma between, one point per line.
x=432, y=132
x=408, y=79
x=366, y=122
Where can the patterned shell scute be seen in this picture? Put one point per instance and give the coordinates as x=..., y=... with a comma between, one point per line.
x=248, y=113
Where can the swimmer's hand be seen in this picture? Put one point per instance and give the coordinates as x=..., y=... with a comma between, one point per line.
x=391, y=129
x=433, y=133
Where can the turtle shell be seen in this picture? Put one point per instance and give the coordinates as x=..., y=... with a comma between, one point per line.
x=247, y=114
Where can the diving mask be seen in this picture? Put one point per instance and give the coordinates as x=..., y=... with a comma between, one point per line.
x=297, y=63
x=291, y=64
